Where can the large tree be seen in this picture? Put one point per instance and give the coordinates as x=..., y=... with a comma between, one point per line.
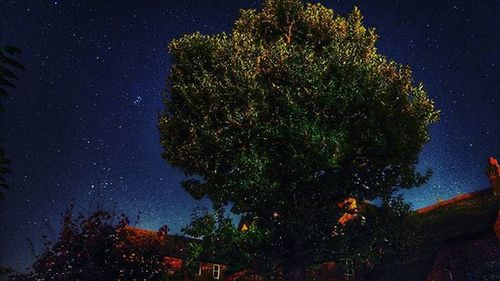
x=289, y=115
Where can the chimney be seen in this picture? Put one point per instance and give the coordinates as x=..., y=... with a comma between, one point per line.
x=163, y=231
x=493, y=172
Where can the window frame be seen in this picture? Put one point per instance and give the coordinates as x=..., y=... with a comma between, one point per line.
x=348, y=268
x=216, y=271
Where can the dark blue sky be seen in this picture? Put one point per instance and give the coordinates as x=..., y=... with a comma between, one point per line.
x=82, y=123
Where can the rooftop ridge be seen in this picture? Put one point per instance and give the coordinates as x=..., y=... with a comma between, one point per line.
x=453, y=200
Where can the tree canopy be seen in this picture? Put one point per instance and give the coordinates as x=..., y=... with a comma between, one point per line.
x=287, y=116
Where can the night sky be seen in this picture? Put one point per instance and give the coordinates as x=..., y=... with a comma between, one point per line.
x=81, y=126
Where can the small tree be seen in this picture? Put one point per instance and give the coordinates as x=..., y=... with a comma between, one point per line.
x=288, y=116
x=97, y=247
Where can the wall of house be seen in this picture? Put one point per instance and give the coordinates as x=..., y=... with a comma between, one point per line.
x=244, y=275
x=496, y=227
x=332, y=271
x=207, y=272
x=462, y=258
x=326, y=271
x=204, y=272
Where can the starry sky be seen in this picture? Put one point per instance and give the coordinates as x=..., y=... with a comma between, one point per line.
x=81, y=126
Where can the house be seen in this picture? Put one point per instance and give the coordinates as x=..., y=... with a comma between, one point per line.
x=175, y=249
x=458, y=240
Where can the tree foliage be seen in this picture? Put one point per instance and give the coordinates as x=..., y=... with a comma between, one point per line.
x=288, y=115
x=96, y=248
x=6, y=77
x=225, y=242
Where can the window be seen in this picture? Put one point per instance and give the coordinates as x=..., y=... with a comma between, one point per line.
x=256, y=277
x=216, y=271
x=244, y=227
x=348, y=269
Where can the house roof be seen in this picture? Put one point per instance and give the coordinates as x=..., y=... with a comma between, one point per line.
x=461, y=216
x=168, y=245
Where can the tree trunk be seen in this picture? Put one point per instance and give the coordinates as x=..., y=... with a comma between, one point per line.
x=294, y=269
